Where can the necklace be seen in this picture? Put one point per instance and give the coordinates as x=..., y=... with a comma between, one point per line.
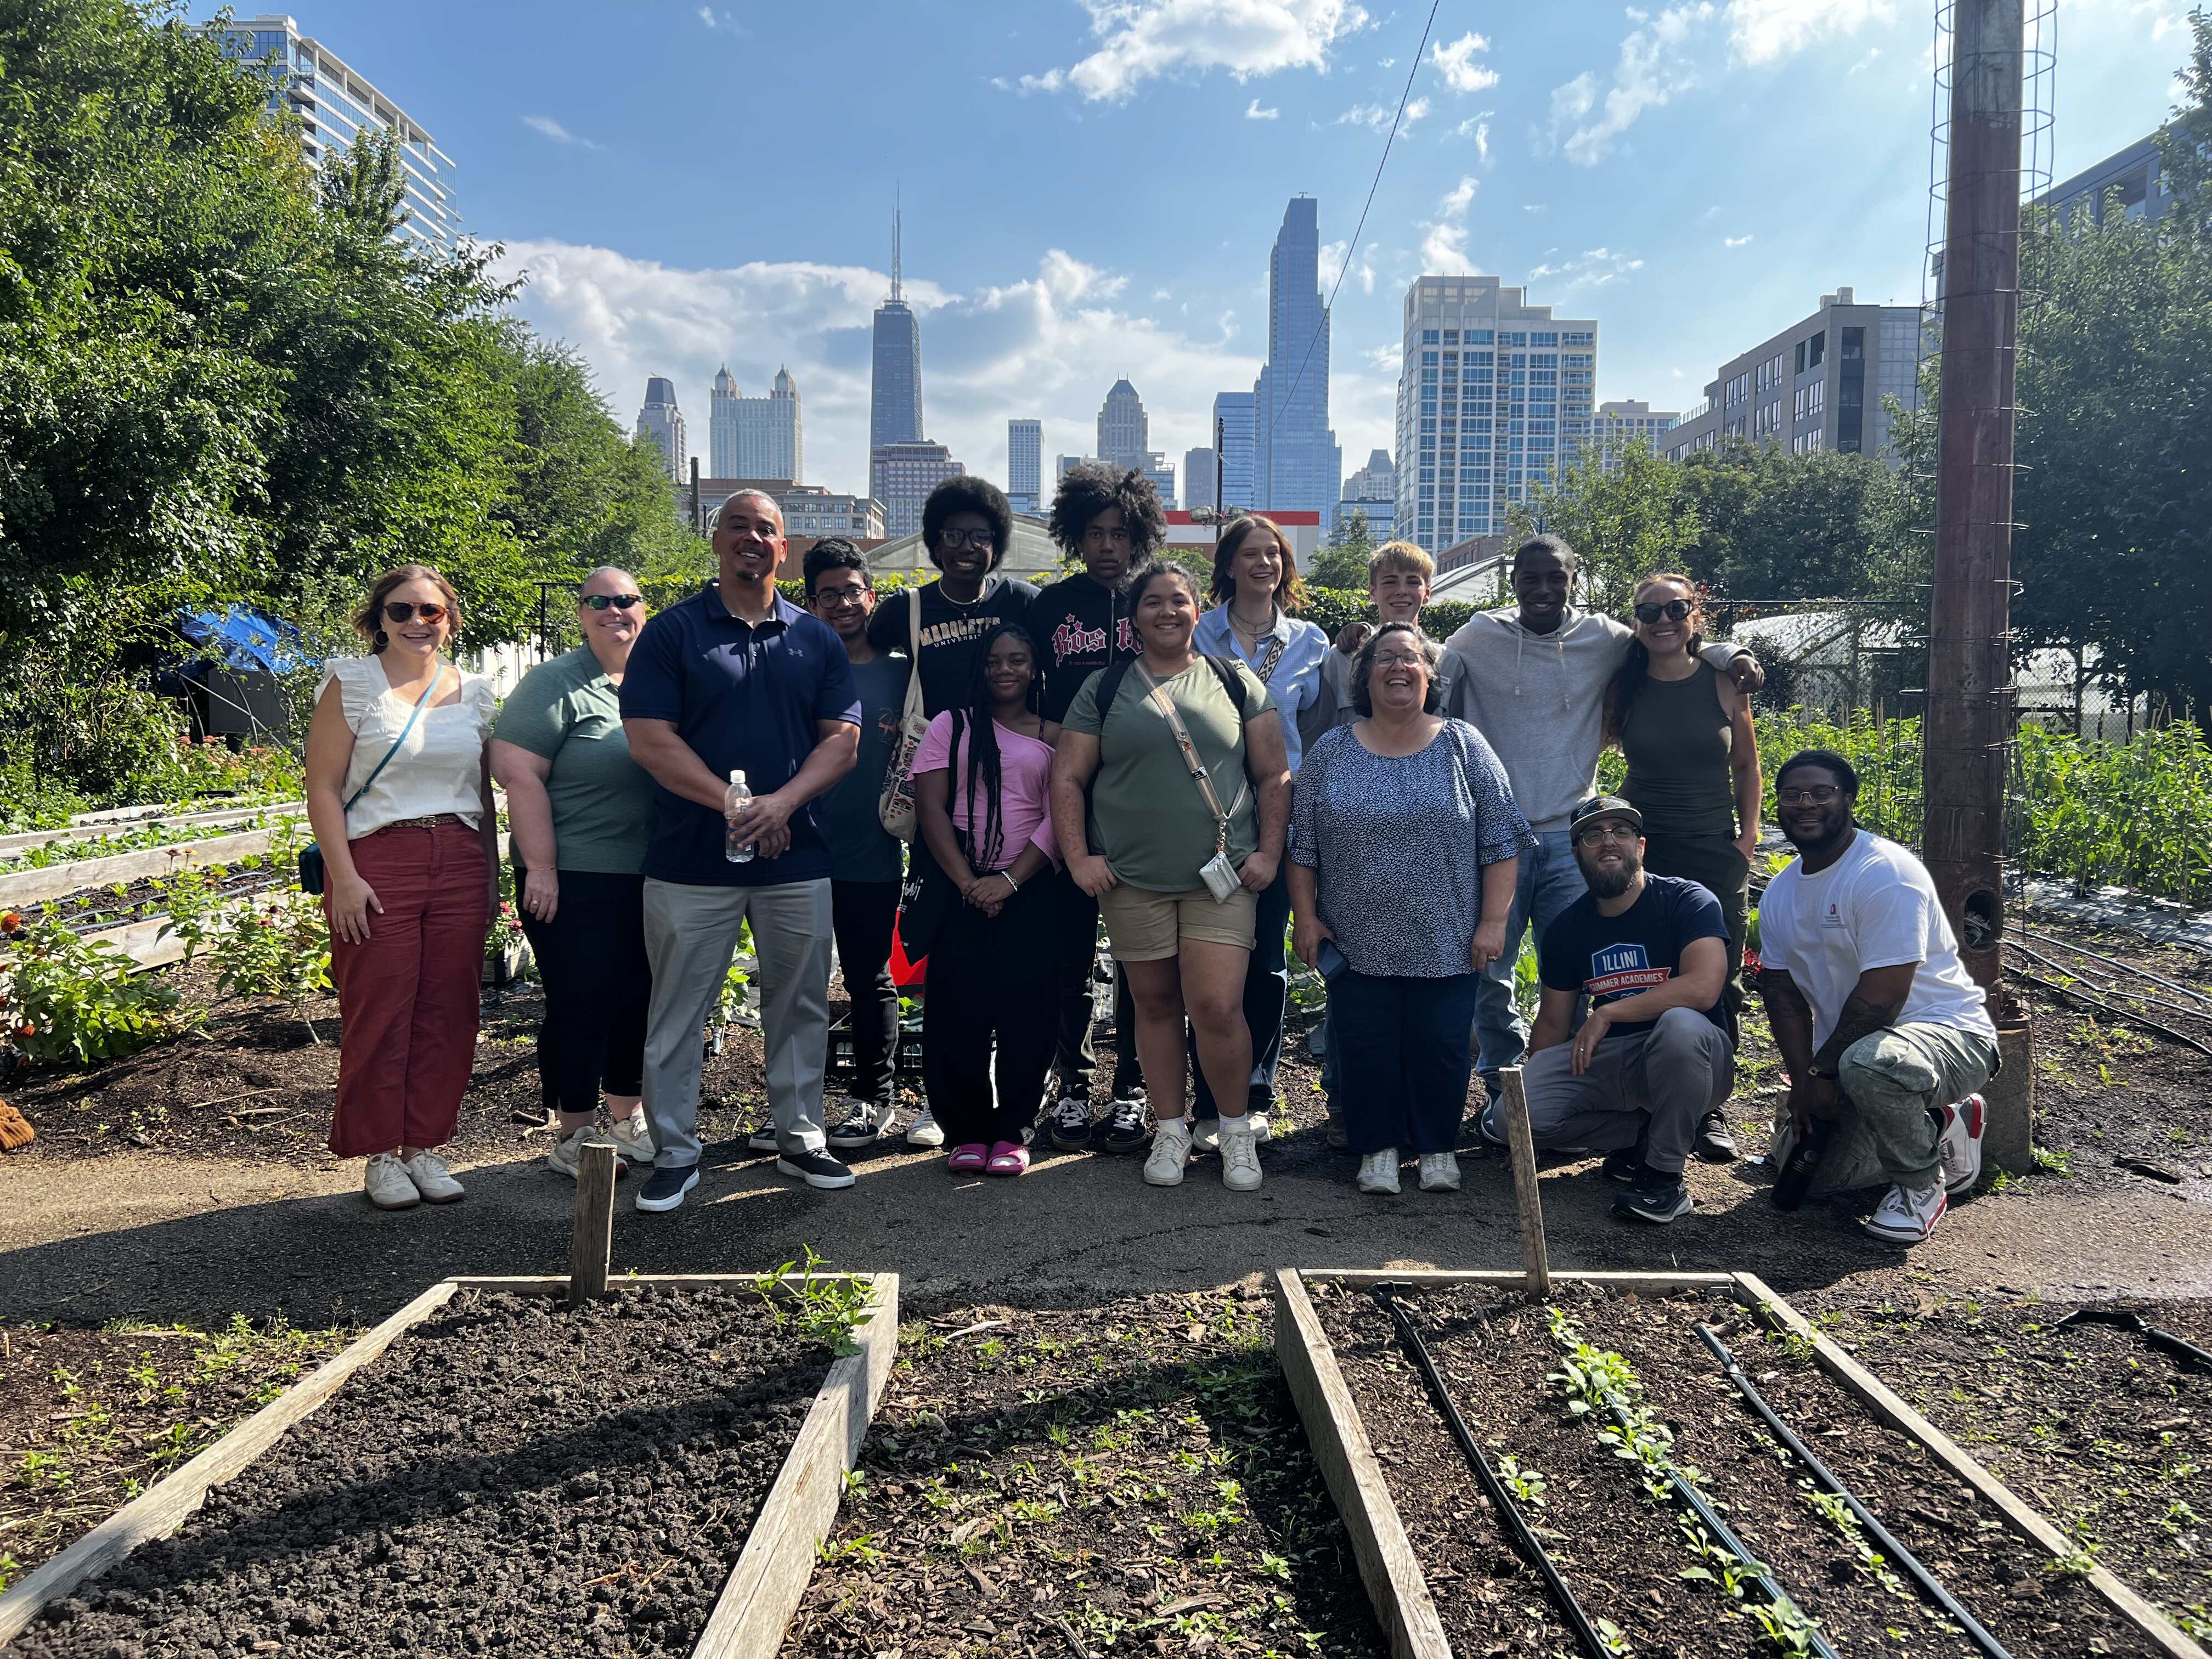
x=1244, y=632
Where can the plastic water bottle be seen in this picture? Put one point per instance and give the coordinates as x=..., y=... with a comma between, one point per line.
x=738, y=798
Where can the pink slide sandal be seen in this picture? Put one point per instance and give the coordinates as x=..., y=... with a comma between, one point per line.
x=970, y=1159
x=1008, y=1157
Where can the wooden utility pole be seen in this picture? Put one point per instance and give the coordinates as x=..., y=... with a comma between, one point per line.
x=1970, y=714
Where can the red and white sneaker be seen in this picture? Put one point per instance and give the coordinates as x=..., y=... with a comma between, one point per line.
x=1905, y=1216
x=1959, y=1143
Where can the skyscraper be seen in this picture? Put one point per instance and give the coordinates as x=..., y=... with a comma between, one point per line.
x=901, y=477
x=1296, y=465
x=1024, y=464
x=662, y=422
x=722, y=426
x=1161, y=470
x=770, y=441
x=1233, y=420
x=1492, y=393
x=1124, y=433
x=1198, y=478
x=895, y=401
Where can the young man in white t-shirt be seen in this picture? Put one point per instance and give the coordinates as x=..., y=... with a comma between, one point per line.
x=1884, y=1036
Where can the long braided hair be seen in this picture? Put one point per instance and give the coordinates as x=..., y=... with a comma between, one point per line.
x=983, y=766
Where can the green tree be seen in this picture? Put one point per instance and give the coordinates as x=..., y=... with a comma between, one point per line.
x=1622, y=524
x=1343, y=562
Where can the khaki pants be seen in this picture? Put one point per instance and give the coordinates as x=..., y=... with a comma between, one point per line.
x=1890, y=1079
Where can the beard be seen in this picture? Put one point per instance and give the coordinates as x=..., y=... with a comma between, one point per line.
x=1612, y=880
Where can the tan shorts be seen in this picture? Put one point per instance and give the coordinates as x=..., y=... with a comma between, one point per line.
x=1143, y=926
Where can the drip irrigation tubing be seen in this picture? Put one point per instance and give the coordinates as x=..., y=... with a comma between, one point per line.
x=1931, y=1586
x=2164, y=1341
x=2104, y=1007
x=2109, y=988
x=1524, y=1537
x=2115, y=962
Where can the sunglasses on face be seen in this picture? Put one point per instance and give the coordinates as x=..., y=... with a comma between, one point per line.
x=397, y=611
x=601, y=601
x=1651, y=610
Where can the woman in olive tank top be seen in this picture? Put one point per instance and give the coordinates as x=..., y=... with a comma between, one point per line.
x=1692, y=759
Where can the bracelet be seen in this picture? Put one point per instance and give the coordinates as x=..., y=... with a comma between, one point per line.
x=1007, y=876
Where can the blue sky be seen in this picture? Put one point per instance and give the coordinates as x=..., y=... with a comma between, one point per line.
x=1091, y=187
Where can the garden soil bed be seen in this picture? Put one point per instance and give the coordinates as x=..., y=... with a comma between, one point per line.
x=1623, y=1554
x=510, y=1477
x=1128, y=1479
x=89, y=1419
x=2106, y=1435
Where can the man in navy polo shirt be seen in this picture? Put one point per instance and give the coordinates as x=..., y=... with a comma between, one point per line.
x=737, y=679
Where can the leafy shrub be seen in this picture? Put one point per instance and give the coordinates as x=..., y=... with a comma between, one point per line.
x=62, y=999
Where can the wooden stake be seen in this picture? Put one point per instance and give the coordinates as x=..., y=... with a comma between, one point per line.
x=595, y=1223
x=1513, y=1107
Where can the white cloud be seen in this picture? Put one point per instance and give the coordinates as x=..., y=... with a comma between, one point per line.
x=1476, y=127
x=1737, y=241
x=1360, y=268
x=720, y=21
x=1654, y=66
x=1762, y=31
x=1598, y=267
x=1443, y=249
x=1253, y=112
x=1376, y=118
x=1140, y=39
x=553, y=129
x=1456, y=63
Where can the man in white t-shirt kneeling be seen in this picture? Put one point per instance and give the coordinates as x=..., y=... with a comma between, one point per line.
x=1884, y=1036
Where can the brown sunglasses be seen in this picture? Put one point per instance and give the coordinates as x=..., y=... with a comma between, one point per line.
x=397, y=611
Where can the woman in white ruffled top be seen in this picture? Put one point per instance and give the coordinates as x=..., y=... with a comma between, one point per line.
x=399, y=793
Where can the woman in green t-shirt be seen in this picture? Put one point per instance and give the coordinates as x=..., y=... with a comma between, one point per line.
x=1153, y=827
x=581, y=810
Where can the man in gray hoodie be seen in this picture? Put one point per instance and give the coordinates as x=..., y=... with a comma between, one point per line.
x=1532, y=678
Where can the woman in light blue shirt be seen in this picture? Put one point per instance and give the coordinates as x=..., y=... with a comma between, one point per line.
x=1257, y=591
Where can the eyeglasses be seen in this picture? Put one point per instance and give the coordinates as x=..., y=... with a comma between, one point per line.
x=601, y=601
x=1598, y=833
x=852, y=595
x=1816, y=794
x=964, y=538
x=1651, y=610
x=1399, y=660
x=396, y=611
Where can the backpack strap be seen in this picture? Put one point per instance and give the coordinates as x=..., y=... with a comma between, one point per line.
x=1110, y=678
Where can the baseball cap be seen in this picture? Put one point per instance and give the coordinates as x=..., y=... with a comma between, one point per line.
x=1604, y=806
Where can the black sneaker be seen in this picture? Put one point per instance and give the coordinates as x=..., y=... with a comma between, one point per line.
x=1071, y=1125
x=1659, y=1201
x=1714, y=1144
x=1627, y=1167
x=1492, y=1134
x=864, y=1121
x=815, y=1168
x=664, y=1189
x=1124, y=1130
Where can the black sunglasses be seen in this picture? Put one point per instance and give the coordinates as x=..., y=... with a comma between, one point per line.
x=1651, y=610
x=601, y=601
x=399, y=611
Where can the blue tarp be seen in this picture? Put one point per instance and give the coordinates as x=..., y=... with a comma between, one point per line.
x=245, y=639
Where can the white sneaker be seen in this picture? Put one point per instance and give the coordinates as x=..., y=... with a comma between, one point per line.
x=1206, y=1138
x=1378, y=1172
x=1170, y=1152
x=1439, y=1172
x=387, y=1185
x=1239, y=1156
x=1959, y=1143
x=1905, y=1216
x=924, y=1132
x=633, y=1136
x=1262, y=1130
x=567, y=1155
x=433, y=1180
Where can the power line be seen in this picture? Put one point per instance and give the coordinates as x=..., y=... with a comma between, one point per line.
x=1352, y=248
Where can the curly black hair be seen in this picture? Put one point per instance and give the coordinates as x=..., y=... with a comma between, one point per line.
x=1088, y=490
x=967, y=494
x=833, y=553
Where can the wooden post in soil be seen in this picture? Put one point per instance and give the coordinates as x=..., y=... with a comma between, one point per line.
x=1513, y=1107
x=593, y=1244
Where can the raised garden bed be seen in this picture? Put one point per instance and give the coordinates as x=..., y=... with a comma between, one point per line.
x=1538, y=1384
x=491, y=1471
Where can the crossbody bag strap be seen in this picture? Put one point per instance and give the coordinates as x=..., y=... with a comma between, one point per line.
x=1264, y=669
x=1199, y=775
x=421, y=703
x=913, y=625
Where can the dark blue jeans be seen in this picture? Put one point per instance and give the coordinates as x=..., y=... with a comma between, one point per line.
x=1267, y=989
x=1404, y=1053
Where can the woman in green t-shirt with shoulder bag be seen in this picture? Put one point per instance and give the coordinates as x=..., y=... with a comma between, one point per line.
x=580, y=811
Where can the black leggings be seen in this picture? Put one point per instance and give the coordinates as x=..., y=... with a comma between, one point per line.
x=861, y=914
x=592, y=961
x=991, y=978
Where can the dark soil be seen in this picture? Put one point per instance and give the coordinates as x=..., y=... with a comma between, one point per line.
x=90, y=1418
x=1128, y=1479
x=2103, y=1433
x=1623, y=1552
x=95, y=907
x=512, y=1477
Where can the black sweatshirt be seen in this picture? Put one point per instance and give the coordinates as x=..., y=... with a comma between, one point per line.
x=1081, y=625
x=950, y=635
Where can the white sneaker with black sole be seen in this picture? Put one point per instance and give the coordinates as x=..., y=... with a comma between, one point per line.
x=1907, y=1215
x=664, y=1189
x=1958, y=1142
x=924, y=1131
x=860, y=1124
x=815, y=1169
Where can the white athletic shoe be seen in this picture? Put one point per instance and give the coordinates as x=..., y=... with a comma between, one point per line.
x=567, y=1155
x=1959, y=1143
x=1206, y=1137
x=1439, y=1172
x=633, y=1136
x=387, y=1185
x=1170, y=1152
x=1239, y=1156
x=1905, y=1216
x=1378, y=1172
x=924, y=1132
x=433, y=1179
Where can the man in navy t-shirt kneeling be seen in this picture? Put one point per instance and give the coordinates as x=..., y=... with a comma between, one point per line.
x=1652, y=1057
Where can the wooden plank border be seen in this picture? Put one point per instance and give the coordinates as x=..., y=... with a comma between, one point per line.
x=54, y=881
x=764, y=1586
x=1397, y=1586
